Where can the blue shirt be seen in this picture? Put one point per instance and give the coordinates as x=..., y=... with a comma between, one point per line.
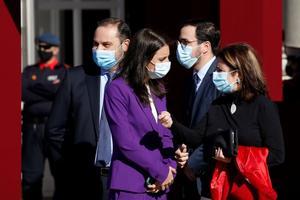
x=104, y=126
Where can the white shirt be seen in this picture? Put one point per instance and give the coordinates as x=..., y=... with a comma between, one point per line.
x=202, y=72
x=152, y=106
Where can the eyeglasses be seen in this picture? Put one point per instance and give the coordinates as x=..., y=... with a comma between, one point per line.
x=186, y=42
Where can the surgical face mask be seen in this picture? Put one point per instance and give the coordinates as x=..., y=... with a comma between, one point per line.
x=105, y=59
x=184, y=56
x=221, y=82
x=45, y=55
x=161, y=69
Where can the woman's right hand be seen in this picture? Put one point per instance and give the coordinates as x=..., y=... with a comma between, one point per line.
x=169, y=180
x=220, y=156
x=165, y=119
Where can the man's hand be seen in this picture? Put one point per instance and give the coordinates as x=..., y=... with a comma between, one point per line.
x=181, y=155
x=165, y=119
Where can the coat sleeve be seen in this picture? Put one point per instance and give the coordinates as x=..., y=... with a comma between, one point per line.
x=271, y=132
x=125, y=137
x=168, y=146
x=56, y=127
x=191, y=137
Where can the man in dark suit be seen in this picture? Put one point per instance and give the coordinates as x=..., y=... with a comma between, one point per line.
x=198, y=43
x=73, y=128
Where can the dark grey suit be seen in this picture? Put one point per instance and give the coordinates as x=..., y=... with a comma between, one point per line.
x=72, y=132
x=197, y=105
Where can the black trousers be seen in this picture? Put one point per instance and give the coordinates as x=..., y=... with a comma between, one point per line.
x=33, y=160
x=183, y=188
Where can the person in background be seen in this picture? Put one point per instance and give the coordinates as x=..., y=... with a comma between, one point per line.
x=40, y=83
x=291, y=87
x=245, y=108
x=143, y=165
x=77, y=122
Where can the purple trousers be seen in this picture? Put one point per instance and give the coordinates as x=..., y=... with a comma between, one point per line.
x=123, y=195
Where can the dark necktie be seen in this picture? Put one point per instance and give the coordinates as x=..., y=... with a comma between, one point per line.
x=196, y=81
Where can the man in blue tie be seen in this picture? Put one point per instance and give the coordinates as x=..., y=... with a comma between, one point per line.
x=197, y=44
x=78, y=122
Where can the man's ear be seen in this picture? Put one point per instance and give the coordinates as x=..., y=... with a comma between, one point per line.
x=125, y=45
x=207, y=46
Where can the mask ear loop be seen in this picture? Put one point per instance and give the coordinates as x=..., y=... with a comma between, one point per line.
x=121, y=57
x=152, y=64
x=238, y=80
x=200, y=53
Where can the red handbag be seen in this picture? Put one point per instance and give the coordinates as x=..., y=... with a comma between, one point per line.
x=251, y=181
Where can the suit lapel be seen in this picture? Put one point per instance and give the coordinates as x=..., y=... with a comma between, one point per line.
x=191, y=93
x=199, y=95
x=93, y=87
x=148, y=113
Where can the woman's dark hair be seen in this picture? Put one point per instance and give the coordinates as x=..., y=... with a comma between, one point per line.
x=142, y=48
x=243, y=58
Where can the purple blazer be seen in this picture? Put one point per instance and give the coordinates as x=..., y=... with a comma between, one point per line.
x=142, y=147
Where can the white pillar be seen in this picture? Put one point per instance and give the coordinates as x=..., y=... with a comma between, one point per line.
x=292, y=25
x=77, y=37
x=30, y=33
x=118, y=9
x=54, y=22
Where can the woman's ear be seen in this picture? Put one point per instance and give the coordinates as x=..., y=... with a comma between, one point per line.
x=150, y=67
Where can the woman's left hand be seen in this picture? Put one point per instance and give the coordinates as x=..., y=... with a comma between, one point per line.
x=220, y=156
x=154, y=188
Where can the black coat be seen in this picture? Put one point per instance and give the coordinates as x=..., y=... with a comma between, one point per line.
x=72, y=131
x=257, y=122
x=73, y=123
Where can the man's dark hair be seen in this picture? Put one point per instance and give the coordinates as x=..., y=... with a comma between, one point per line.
x=123, y=28
x=205, y=31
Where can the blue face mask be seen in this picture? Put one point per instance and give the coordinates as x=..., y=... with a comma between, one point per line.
x=184, y=56
x=161, y=69
x=105, y=59
x=221, y=82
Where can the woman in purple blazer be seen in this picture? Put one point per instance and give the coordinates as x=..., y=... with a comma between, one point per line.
x=142, y=164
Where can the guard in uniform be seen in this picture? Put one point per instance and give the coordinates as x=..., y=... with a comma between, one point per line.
x=39, y=85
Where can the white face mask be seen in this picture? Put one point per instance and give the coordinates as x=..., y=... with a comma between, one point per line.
x=106, y=59
x=220, y=79
x=184, y=55
x=161, y=69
